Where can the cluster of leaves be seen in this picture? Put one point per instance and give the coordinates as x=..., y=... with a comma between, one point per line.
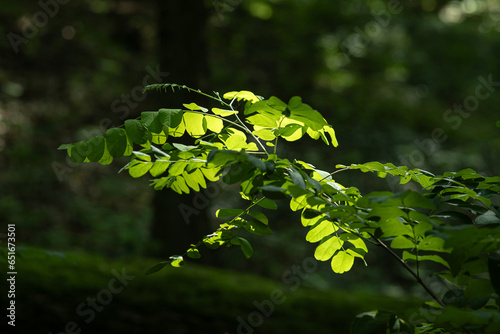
x=452, y=220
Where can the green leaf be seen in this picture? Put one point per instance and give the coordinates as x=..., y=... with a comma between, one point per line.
x=342, y=262
x=223, y=112
x=159, y=167
x=255, y=227
x=196, y=124
x=265, y=121
x=454, y=215
x=138, y=168
x=193, y=253
x=170, y=117
x=152, y=121
x=223, y=157
x=320, y=230
x=178, y=168
x=137, y=131
x=214, y=124
x=225, y=213
x=194, y=106
x=328, y=246
x=297, y=178
x=179, y=185
x=265, y=134
x=268, y=204
x=246, y=248
x=488, y=218
x=407, y=256
x=116, y=142
x=432, y=243
x=156, y=267
x=177, y=261
x=259, y=216
x=305, y=114
x=401, y=242
x=96, y=146
x=241, y=95
x=78, y=152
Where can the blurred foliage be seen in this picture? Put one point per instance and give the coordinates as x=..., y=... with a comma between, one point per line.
x=195, y=299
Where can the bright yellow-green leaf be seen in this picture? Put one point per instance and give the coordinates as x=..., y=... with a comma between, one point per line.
x=318, y=232
x=191, y=181
x=342, y=262
x=177, y=261
x=159, y=138
x=195, y=179
x=214, y=124
x=356, y=241
x=159, y=167
x=194, y=106
x=327, y=248
x=138, y=168
x=106, y=157
x=292, y=132
x=223, y=112
x=177, y=131
x=241, y=95
x=310, y=221
x=210, y=173
x=265, y=134
x=236, y=143
x=179, y=185
x=263, y=121
x=331, y=132
x=196, y=125
x=299, y=202
x=177, y=168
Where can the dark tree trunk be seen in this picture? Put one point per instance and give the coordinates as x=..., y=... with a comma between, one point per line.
x=182, y=53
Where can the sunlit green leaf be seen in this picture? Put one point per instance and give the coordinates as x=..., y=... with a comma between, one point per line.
x=328, y=246
x=196, y=124
x=223, y=112
x=214, y=124
x=342, y=262
x=322, y=229
x=138, y=168
x=194, y=106
x=176, y=261
x=241, y=95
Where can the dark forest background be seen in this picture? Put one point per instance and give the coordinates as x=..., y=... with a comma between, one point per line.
x=409, y=82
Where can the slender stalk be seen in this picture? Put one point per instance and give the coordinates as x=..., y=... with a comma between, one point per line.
x=407, y=267
x=335, y=172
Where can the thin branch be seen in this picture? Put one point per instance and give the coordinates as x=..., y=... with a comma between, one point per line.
x=407, y=267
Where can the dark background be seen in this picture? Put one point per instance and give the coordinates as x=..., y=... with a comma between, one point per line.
x=401, y=82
